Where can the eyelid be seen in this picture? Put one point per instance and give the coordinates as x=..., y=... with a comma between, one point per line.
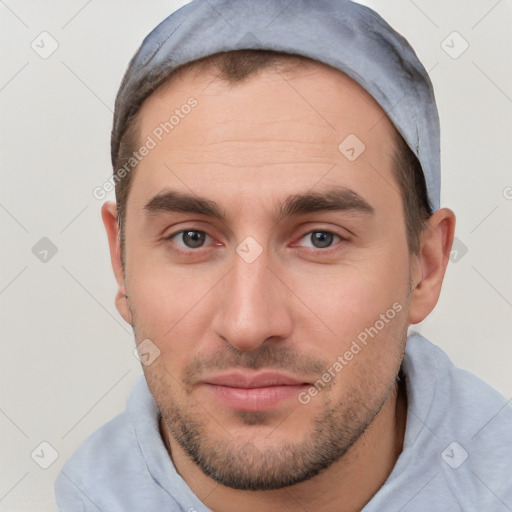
x=185, y=230
x=190, y=252
x=187, y=225
x=320, y=230
x=186, y=250
x=313, y=227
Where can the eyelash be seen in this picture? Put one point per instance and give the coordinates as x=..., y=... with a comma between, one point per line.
x=188, y=251
x=314, y=249
x=324, y=250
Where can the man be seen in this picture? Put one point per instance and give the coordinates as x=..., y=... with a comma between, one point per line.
x=277, y=230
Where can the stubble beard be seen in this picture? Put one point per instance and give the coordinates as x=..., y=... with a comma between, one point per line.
x=242, y=464
x=259, y=462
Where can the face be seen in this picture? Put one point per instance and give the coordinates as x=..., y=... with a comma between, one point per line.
x=267, y=263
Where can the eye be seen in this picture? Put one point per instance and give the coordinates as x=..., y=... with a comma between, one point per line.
x=320, y=239
x=189, y=238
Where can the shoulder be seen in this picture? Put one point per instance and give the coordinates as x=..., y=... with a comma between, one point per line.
x=451, y=397
x=109, y=471
x=459, y=430
x=107, y=458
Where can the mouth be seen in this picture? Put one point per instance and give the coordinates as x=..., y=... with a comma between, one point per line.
x=251, y=391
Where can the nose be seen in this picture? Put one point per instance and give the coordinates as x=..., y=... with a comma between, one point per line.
x=253, y=305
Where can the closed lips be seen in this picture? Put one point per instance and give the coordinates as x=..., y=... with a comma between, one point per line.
x=248, y=381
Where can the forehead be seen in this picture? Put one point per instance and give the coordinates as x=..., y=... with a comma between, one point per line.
x=319, y=94
x=279, y=126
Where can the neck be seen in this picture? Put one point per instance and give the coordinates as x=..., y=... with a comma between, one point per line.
x=346, y=486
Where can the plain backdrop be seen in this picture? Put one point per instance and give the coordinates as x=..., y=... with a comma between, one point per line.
x=67, y=360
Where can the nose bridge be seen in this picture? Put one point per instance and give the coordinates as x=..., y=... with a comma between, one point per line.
x=253, y=305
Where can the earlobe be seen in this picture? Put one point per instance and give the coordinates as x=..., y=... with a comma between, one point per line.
x=435, y=245
x=109, y=216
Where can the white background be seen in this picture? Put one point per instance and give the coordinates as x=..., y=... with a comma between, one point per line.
x=66, y=358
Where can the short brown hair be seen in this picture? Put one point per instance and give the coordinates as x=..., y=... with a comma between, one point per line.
x=236, y=66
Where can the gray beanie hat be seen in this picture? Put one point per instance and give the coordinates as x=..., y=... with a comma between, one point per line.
x=340, y=33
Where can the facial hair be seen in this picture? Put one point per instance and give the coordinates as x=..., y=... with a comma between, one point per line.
x=263, y=464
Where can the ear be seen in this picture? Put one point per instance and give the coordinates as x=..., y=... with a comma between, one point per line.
x=109, y=216
x=430, y=264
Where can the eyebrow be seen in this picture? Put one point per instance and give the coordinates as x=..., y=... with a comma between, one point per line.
x=335, y=199
x=170, y=201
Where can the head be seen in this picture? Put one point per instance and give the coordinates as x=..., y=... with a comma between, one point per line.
x=246, y=243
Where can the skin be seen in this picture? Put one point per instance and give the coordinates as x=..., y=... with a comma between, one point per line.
x=296, y=307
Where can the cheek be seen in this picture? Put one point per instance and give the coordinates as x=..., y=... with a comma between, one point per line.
x=170, y=305
x=348, y=299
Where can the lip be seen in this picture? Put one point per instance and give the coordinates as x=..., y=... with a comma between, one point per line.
x=253, y=391
x=253, y=380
